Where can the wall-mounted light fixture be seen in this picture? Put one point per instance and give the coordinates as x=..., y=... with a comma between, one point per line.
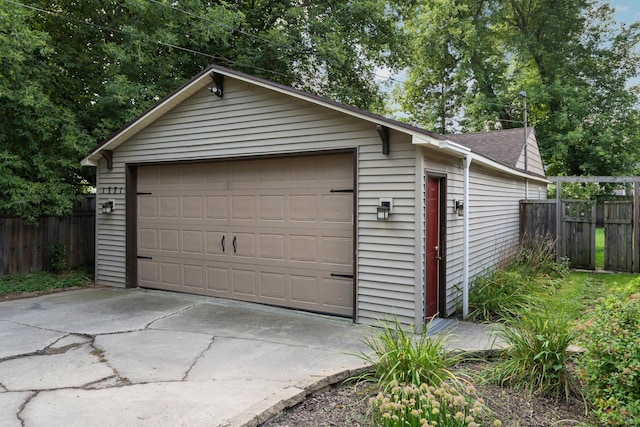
x=216, y=91
x=109, y=206
x=458, y=207
x=218, y=80
x=384, y=209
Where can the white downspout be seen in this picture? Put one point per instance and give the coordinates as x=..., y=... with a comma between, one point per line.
x=465, y=237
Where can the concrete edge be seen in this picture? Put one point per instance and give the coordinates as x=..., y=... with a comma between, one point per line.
x=306, y=389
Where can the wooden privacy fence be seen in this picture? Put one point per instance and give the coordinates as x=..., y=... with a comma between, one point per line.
x=573, y=226
x=25, y=248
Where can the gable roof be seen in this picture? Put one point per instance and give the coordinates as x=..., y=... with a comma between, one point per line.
x=504, y=146
x=453, y=144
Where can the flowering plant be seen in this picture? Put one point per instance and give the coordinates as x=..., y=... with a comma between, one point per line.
x=426, y=406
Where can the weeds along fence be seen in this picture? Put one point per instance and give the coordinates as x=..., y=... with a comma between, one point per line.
x=51, y=241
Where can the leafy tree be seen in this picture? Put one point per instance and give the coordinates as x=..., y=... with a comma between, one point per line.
x=73, y=72
x=570, y=57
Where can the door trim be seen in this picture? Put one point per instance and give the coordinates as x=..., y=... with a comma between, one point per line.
x=442, y=270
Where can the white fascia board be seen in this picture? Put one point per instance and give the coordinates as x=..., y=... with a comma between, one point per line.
x=146, y=119
x=462, y=151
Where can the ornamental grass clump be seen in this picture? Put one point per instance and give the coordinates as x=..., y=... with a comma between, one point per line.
x=400, y=354
x=522, y=276
x=425, y=406
x=537, y=358
x=610, y=367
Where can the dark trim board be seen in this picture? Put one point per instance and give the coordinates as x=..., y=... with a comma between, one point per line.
x=131, y=233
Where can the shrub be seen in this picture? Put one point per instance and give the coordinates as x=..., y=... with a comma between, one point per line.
x=411, y=405
x=536, y=358
x=404, y=356
x=58, y=257
x=514, y=286
x=500, y=294
x=610, y=367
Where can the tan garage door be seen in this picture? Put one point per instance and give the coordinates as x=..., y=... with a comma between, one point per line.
x=275, y=231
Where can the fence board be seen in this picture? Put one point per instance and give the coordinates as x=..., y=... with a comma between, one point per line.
x=579, y=233
x=618, y=231
x=538, y=218
x=25, y=248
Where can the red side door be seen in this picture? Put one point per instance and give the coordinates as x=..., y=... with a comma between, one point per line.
x=433, y=246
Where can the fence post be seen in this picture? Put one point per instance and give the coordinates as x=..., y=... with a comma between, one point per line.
x=635, y=227
x=559, y=233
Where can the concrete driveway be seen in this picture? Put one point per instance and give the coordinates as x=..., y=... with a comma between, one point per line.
x=109, y=357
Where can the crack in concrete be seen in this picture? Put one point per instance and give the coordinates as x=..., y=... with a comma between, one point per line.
x=186, y=374
x=23, y=406
x=35, y=327
x=3, y=387
x=170, y=315
x=47, y=351
x=100, y=354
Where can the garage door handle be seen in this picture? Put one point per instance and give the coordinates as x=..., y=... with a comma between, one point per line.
x=235, y=249
x=346, y=276
x=222, y=243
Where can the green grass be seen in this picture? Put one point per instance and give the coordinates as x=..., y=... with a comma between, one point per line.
x=580, y=290
x=43, y=281
x=599, y=247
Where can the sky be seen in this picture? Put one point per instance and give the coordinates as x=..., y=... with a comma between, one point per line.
x=627, y=11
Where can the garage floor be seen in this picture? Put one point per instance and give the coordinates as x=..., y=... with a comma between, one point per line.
x=150, y=358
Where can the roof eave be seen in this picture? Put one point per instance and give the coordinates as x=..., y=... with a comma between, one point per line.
x=148, y=117
x=461, y=151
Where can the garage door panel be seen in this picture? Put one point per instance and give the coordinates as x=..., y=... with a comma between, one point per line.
x=192, y=174
x=216, y=207
x=244, y=246
x=291, y=233
x=147, y=207
x=243, y=282
x=271, y=171
x=192, y=207
x=337, y=250
x=148, y=271
x=272, y=208
x=272, y=247
x=303, y=248
x=169, y=207
x=243, y=208
x=333, y=208
x=170, y=273
x=192, y=241
x=218, y=279
x=169, y=175
x=304, y=289
x=273, y=285
x=169, y=241
x=148, y=238
x=337, y=293
x=303, y=208
x=193, y=276
x=217, y=243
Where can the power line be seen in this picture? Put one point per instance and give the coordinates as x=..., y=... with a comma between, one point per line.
x=174, y=46
x=264, y=39
x=105, y=28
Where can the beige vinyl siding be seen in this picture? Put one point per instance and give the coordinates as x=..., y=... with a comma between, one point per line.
x=253, y=121
x=110, y=229
x=493, y=217
x=534, y=161
x=386, y=250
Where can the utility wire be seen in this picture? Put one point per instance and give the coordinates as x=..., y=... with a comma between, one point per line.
x=383, y=78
